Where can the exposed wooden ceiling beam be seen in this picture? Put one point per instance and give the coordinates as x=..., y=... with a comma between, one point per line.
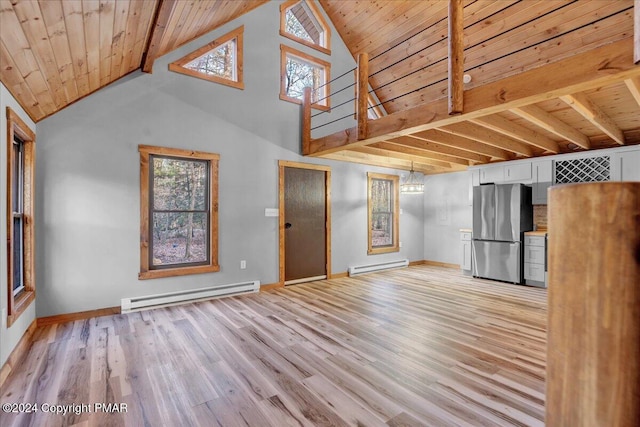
x=390, y=146
x=397, y=154
x=423, y=144
x=634, y=87
x=545, y=120
x=589, y=70
x=462, y=143
x=456, y=57
x=382, y=161
x=636, y=31
x=514, y=130
x=163, y=14
x=590, y=111
x=480, y=134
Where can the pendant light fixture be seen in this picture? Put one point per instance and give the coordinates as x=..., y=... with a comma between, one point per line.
x=412, y=185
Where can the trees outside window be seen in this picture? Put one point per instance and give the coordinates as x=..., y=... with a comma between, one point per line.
x=179, y=212
x=220, y=61
x=383, y=206
x=299, y=70
x=20, y=216
x=301, y=21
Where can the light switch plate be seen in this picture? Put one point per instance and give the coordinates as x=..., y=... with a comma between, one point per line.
x=271, y=212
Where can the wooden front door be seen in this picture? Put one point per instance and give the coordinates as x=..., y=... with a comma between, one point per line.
x=304, y=220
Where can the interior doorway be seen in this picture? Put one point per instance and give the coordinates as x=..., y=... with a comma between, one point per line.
x=305, y=222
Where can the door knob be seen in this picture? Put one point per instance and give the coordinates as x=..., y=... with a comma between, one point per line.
x=287, y=225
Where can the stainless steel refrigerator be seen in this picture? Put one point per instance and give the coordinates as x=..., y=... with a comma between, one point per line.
x=501, y=215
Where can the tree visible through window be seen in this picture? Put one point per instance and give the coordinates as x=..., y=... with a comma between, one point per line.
x=179, y=206
x=383, y=205
x=301, y=21
x=219, y=61
x=300, y=70
x=20, y=214
x=180, y=210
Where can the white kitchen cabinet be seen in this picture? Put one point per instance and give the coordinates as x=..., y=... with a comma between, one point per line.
x=535, y=254
x=492, y=174
x=625, y=165
x=518, y=172
x=542, y=179
x=466, y=263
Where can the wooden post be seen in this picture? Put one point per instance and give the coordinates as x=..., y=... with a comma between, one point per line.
x=456, y=57
x=593, y=338
x=636, y=31
x=362, y=96
x=306, y=121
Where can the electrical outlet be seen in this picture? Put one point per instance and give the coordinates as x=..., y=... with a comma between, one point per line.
x=243, y=264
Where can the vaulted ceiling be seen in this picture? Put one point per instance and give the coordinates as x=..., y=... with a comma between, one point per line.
x=54, y=52
x=548, y=76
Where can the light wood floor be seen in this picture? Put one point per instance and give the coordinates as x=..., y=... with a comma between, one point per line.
x=420, y=346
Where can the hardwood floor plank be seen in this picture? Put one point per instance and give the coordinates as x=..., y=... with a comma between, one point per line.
x=419, y=346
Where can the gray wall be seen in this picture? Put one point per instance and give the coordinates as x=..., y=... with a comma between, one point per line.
x=446, y=210
x=9, y=337
x=88, y=175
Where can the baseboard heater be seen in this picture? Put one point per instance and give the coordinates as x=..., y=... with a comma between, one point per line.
x=129, y=305
x=360, y=269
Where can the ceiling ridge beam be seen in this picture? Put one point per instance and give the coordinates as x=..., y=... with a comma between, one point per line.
x=507, y=127
x=455, y=57
x=593, y=113
x=547, y=121
x=592, y=69
x=161, y=19
x=636, y=31
x=489, y=137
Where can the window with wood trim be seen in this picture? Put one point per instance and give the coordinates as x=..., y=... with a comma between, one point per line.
x=20, y=220
x=302, y=22
x=219, y=61
x=299, y=70
x=383, y=204
x=179, y=212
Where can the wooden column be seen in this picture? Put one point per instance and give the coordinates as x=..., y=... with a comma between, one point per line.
x=362, y=95
x=306, y=121
x=636, y=31
x=593, y=337
x=456, y=57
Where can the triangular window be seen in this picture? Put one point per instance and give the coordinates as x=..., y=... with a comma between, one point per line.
x=301, y=21
x=219, y=61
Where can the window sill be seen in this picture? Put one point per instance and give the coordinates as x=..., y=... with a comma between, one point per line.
x=178, y=271
x=20, y=305
x=374, y=251
x=214, y=79
x=298, y=101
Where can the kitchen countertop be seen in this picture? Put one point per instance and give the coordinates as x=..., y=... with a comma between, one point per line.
x=541, y=233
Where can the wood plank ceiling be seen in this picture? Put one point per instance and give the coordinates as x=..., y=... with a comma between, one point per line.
x=54, y=52
x=407, y=43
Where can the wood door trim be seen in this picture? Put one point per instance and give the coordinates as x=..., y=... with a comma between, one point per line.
x=327, y=170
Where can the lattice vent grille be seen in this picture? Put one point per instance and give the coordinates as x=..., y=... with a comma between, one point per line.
x=591, y=169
